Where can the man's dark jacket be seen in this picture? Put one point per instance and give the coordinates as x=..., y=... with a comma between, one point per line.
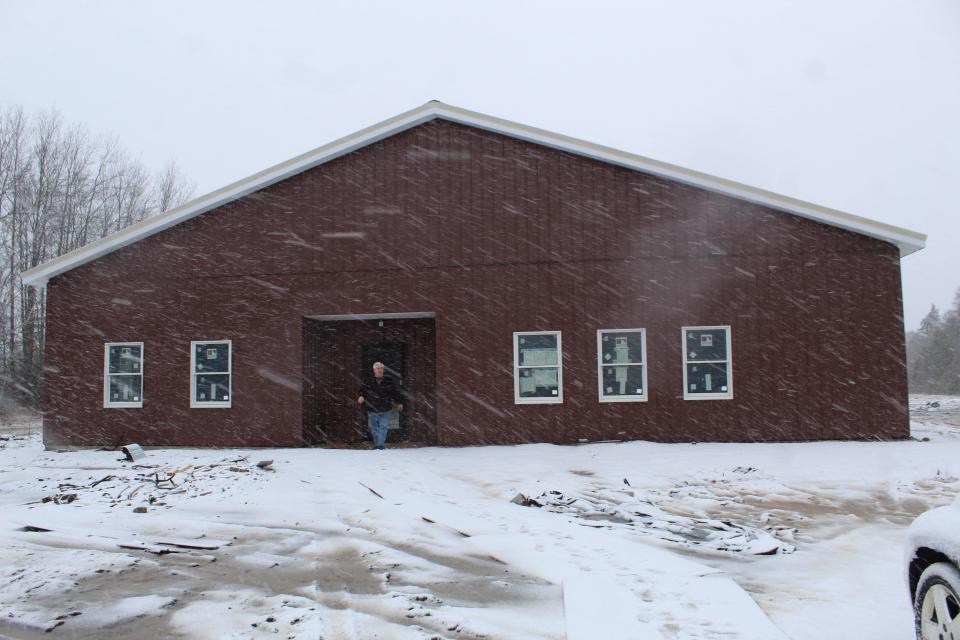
x=380, y=396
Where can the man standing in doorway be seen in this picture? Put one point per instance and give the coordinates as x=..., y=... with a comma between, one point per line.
x=377, y=396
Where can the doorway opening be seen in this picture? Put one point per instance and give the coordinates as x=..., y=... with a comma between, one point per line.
x=338, y=354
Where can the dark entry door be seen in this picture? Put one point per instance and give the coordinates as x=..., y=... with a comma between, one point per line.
x=391, y=354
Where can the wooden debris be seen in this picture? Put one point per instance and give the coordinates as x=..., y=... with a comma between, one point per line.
x=149, y=548
x=164, y=479
x=209, y=545
x=371, y=490
x=266, y=465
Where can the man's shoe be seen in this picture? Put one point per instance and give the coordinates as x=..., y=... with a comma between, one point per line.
x=379, y=448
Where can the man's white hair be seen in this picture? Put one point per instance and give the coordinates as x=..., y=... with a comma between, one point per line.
x=378, y=364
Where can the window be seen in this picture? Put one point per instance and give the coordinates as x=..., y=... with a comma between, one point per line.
x=707, y=372
x=210, y=363
x=123, y=374
x=537, y=373
x=621, y=365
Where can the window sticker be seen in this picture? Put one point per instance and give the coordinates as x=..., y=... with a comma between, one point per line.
x=211, y=354
x=706, y=340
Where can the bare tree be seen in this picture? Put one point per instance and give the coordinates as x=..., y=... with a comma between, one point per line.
x=60, y=188
x=171, y=189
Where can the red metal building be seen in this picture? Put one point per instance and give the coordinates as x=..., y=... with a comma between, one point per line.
x=526, y=287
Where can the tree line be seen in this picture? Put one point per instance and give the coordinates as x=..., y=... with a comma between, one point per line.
x=61, y=187
x=933, y=352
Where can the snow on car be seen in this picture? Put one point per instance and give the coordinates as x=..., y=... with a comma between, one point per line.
x=932, y=560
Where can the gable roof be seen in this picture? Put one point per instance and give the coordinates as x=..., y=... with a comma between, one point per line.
x=908, y=241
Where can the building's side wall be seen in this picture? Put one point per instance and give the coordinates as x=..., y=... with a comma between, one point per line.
x=494, y=235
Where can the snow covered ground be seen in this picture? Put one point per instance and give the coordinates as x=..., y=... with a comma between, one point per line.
x=631, y=540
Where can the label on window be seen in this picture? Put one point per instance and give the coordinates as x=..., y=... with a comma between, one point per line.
x=693, y=386
x=554, y=392
x=706, y=340
x=211, y=354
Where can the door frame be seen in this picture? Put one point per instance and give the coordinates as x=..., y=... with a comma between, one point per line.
x=317, y=365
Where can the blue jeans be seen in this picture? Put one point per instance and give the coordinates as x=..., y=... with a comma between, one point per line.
x=378, y=426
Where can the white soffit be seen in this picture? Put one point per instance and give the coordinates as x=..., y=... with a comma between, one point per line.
x=908, y=241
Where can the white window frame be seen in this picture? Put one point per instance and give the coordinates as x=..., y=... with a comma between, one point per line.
x=558, y=399
x=107, y=403
x=194, y=404
x=601, y=364
x=723, y=395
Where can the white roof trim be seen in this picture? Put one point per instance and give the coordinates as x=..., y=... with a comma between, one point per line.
x=908, y=241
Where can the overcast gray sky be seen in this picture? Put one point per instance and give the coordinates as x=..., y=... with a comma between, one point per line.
x=852, y=105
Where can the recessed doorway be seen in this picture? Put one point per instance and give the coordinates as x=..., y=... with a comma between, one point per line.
x=338, y=353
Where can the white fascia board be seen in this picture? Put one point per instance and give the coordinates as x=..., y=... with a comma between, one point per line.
x=908, y=241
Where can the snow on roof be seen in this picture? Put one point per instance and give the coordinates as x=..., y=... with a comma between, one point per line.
x=907, y=241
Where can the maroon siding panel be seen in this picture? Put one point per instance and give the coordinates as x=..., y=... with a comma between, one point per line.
x=493, y=235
